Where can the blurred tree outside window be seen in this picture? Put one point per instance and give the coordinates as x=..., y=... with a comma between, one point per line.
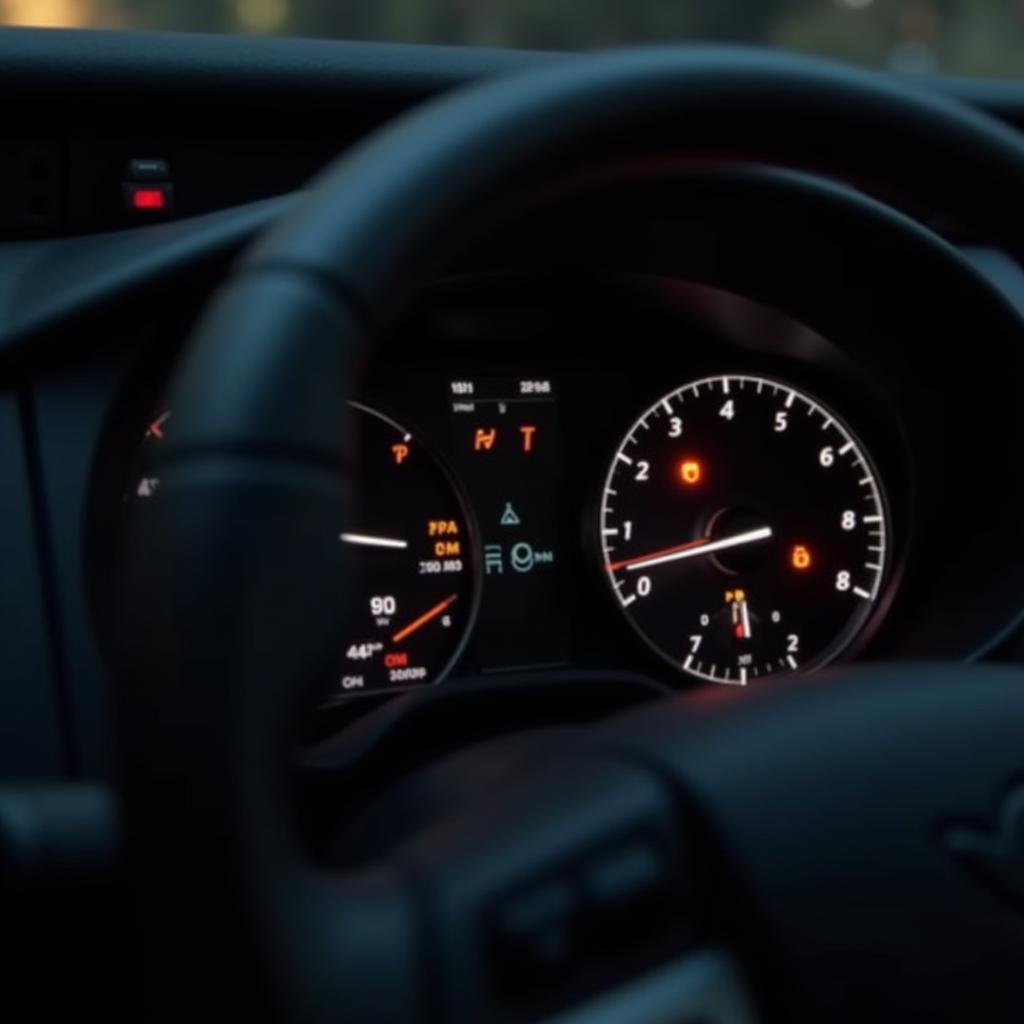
x=983, y=37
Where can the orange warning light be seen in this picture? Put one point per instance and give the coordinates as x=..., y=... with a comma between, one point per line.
x=400, y=452
x=447, y=549
x=690, y=471
x=800, y=558
x=527, y=433
x=484, y=439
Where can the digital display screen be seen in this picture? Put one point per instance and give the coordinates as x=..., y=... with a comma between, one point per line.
x=507, y=445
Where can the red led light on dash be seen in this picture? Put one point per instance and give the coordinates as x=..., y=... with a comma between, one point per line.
x=148, y=199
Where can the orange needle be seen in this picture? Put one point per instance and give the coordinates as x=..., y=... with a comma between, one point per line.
x=424, y=619
x=612, y=566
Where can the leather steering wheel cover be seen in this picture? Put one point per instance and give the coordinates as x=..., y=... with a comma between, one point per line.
x=261, y=440
x=405, y=196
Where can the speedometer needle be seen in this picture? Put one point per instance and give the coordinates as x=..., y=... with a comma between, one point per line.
x=424, y=618
x=703, y=546
x=367, y=540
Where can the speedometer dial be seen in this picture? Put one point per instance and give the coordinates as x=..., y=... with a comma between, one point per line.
x=744, y=529
x=411, y=551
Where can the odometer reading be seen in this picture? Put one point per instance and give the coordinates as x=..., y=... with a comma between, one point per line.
x=743, y=529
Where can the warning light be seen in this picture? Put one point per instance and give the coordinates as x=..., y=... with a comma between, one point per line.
x=527, y=433
x=739, y=631
x=447, y=549
x=690, y=471
x=484, y=439
x=800, y=557
x=400, y=452
x=400, y=659
x=148, y=199
x=735, y=596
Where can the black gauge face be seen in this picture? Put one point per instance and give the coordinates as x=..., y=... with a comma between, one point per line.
x=744, y=530
x=411, y=550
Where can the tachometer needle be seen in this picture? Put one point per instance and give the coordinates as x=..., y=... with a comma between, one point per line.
x=745, y=621
x=373, y=542
x=424, y=618
x=703, y=546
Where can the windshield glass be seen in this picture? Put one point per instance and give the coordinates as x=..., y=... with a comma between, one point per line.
x=959, y=36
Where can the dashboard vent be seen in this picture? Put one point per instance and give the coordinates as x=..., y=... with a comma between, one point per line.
x=30, y=192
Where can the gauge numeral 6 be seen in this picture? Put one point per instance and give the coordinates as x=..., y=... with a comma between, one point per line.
x=827, y=456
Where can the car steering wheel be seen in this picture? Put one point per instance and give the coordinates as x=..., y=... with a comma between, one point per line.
x=842, y=849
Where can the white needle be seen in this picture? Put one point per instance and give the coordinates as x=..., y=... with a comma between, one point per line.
x=746, y=619
x=750, y=537
x=373, y=542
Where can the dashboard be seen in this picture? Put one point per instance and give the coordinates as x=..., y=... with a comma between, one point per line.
x=680, y=496
x=617, y=474
x=673, y=427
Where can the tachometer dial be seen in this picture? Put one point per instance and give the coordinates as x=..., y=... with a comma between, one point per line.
x=744, y=530
x=412, y=553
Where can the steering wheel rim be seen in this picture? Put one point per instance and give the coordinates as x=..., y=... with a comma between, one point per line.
x=211, y=690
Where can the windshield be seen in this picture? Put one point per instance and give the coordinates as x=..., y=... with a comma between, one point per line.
x=959, y=36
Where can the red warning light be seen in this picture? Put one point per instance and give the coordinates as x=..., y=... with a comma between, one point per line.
x=800, y=557
x=149, y=199
x=690, y=471
x=398, y=659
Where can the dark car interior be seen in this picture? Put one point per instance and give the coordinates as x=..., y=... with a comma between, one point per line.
x=492, y=535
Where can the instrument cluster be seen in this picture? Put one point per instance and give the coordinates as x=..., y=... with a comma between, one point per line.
x=708, y=515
